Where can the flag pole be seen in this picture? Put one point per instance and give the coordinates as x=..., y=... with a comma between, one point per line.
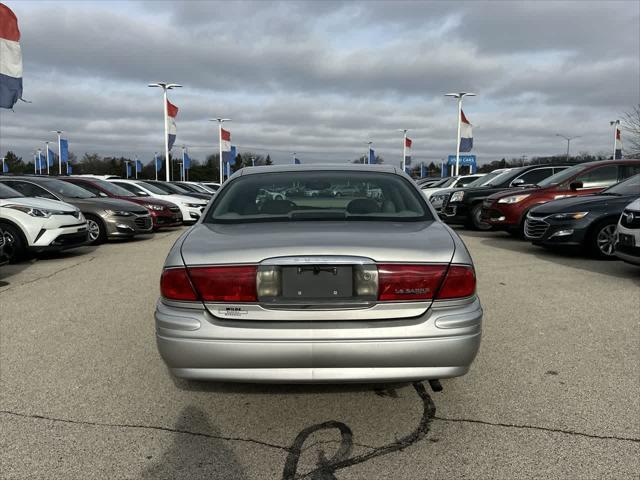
x=404, y=151
x=155, y=166
x=220, y=166
x=136, y=160
x=46, y=145
x=182, y=169
x=59, y=132
x=615, y=124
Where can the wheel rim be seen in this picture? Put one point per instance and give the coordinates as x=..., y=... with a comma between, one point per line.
x=480, y=225
x=606, y=240
x=94, y=230
x=9, y=245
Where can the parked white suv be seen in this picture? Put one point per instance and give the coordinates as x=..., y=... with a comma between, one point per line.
x=190, y=207
x=628, y=234
x=38, y=224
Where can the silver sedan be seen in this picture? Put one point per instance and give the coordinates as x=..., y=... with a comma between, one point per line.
x=356, y=288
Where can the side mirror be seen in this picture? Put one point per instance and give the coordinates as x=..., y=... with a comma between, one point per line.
x=517, y=182
x=575, y=185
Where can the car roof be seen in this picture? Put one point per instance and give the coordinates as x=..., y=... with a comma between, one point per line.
x=316, y=168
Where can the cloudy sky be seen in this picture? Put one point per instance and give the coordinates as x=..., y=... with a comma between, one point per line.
x=323, y=78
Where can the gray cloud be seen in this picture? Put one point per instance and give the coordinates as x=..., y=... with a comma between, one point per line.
x=326, y=76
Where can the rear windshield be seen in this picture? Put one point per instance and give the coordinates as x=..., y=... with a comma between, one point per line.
x=318, y=195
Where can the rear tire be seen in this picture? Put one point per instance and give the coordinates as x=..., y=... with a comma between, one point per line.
x=15, y=247
x=97, y=230
x=601, y=239
x=476, y=222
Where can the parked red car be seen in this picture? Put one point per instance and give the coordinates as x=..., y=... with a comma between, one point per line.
x=507, y=210
x=163, y=213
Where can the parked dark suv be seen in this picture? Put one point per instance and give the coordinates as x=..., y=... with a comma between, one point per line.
x=463, y=205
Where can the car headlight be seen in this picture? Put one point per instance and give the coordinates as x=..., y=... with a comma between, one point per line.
x=456, y=197
x=35, y=212
x=195, y=205
x=569, y=216
x=514, y=198
x=119, y=213
x=157, y=208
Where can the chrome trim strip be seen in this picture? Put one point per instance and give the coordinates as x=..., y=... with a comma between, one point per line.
x=318, y=259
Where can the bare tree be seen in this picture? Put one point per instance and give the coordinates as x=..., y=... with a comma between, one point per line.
x=631, y=129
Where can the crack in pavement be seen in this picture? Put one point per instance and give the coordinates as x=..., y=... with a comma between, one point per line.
x=45, y=277
x=533, y=427
x=144, y=427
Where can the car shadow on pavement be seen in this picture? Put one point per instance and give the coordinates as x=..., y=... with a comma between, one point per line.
x=570, y=257
x=198, y=451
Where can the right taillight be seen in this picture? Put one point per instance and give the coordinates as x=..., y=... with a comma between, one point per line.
x=459, y=282
x=409, y=282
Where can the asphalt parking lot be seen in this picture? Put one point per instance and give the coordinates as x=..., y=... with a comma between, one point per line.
x=554, y=392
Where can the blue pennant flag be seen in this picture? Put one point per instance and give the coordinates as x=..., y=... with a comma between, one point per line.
x=423, y=171
x=52, y=157
x=64, y=150
x=233, y=153
x=158, y=162
x=296, y=161
x=138, y=166
x=69, y=168
x=372, y=156
x=128, y=170
x=5, y=167
x=187, y=161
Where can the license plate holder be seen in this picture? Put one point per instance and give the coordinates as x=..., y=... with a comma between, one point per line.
x=323, y=282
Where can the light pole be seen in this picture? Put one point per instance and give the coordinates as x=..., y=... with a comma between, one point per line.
x=568, y=139
x=459, y=96
x=126, y=168
x=404, y=147
x=59, y=132
x=46, y=153
x=367, y=157
x=220, y=122
x=253, y=161
x=165, y=87
x=615, y=124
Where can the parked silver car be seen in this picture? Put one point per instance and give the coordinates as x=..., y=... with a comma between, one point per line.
x=320, y=289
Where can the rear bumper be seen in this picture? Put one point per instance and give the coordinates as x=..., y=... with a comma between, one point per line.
x=442, y=343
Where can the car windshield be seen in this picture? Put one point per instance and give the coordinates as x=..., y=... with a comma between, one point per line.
x=483, y=180
x=169, y=188
x=500, y=178
x=153, y=188
x=318, y=195
x=113, y=189
x=67, y=189
x=8, y=192
x=560, y=177
x=630, y=186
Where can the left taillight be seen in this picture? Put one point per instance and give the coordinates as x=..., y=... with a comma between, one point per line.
x=175, y=285
x=236, y=283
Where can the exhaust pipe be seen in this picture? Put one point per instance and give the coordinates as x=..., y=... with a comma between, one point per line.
x=435, y=385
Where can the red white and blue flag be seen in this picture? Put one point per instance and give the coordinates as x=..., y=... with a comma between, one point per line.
x=225, y=140
x=407, y=150
x=172, y=112
x=618, y=144
x=466, y=135
x=10, y=59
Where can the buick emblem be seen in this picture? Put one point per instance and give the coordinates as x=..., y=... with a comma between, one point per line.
x=629, y=216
